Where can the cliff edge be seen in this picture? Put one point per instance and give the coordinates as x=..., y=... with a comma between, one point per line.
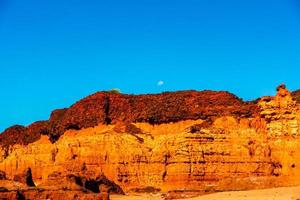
x=177, y=143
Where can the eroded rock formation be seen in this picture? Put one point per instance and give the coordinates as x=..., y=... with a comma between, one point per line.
x=185, y=141
x=110, y=108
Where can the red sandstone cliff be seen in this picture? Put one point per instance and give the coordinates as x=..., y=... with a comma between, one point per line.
x=110, y=108
x=181, y=141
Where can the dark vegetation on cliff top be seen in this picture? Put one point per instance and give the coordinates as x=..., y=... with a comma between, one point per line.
x=110, y=108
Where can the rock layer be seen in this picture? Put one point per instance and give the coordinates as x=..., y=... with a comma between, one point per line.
x=187, y=141
x=110, y=108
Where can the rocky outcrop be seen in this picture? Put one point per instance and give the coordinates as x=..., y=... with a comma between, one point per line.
x=111, y=108
x=16, y=135
x=58, y=186
x=281, y=112
x=22, y=135
x=193, y=143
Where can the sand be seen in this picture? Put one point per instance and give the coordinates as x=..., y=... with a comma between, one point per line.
x=288, y=193
x=284, y=193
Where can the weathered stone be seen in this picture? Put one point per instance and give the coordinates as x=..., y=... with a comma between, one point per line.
x=215, y=148
x=2, y=175
x=25, y=177
x=110, y=108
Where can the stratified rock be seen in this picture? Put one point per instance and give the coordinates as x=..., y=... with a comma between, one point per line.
x=281, y=112
x=172, y=142
x=111, y=108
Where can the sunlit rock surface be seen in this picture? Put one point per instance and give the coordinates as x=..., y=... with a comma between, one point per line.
x=240, y=146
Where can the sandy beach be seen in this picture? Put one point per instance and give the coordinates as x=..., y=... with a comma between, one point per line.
x=283, y=193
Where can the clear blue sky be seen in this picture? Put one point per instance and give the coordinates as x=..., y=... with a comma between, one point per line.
x=54, y=52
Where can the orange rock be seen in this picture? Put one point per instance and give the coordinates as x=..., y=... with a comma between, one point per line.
x=227, y=152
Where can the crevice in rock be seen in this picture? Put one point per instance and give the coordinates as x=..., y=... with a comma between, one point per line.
x=166, y=163
x=72, y=127
x=92, y=185
x=20, y=195
x=53, y=137
x=28, y=177
x=53, y=154
x=107, y=119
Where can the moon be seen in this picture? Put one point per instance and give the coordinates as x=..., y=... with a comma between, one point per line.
x=160, y=83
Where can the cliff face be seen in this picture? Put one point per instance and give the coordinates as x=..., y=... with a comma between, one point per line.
x=190, y=141
x=109, y=108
